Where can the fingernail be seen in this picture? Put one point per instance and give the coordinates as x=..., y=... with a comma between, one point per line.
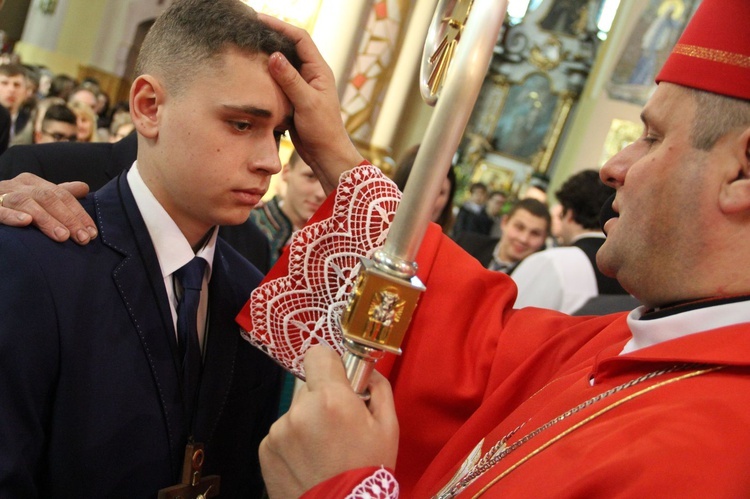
x=83, y=236
x=278, y=59
x=61, y=233
x=92, y=232
x=23, y=217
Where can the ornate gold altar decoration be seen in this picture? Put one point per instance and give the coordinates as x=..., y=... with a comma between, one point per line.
x=539, y=68
x=621, y=133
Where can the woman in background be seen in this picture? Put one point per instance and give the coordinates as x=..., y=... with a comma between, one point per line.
x=442, y=212
x=86, y=121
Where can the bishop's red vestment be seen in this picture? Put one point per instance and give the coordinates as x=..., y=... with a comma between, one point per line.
x=578, y=418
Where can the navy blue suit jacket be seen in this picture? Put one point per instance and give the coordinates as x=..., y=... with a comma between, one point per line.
x=90, y=399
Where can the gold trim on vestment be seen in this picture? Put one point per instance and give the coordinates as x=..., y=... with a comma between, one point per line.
x=722, y=56
x=591, y=418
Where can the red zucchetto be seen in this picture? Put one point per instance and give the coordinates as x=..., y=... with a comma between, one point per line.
x=713, y=53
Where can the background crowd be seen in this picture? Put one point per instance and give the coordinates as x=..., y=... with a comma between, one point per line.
x=498, y=228
x=39, y=101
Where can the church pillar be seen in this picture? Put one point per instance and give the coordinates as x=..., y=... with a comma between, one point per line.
x=371, y=74
x=405, y=73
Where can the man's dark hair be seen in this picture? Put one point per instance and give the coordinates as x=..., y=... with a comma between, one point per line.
x=533, y=206
x=59, y=112
x=62, y=86
x=12, y=69
x=584, y=194
x=405, y=164
x=191, y=33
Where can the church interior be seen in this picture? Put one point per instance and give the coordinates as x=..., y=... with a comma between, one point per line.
x=562, y=93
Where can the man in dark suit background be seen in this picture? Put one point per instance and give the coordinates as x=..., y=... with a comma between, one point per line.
x=96, y=163
x=92, y=374
x=524, y=230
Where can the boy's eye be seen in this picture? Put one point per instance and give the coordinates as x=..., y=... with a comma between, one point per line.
x=241, y=126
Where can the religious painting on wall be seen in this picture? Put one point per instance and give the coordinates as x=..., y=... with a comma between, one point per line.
x=540, y=66
x=650, y=42
x=568, y=17
x=526, y=118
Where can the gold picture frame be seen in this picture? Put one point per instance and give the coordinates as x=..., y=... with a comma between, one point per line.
x=503, y=177
x=530, y=121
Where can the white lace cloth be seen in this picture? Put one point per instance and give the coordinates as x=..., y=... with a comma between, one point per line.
x=292, y=313
x=380, y=485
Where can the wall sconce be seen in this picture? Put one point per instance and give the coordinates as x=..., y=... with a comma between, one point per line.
x=48, y=6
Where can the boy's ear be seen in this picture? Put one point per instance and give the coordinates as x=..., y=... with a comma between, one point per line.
x=146, y=97
x=735, y=193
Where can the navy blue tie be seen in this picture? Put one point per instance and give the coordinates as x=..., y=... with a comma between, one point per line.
x=190, y=277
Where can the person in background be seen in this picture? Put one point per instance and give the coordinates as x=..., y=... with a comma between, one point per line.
x=281, y=216
x=442, y=212
x=121, y=127
x=13, y=95
x=86, y=94
x=86, y=121
x=523, y=232
x=495, y=205
x=471, y=209
x=57, y=125
x=566, y=277
x=61, y=86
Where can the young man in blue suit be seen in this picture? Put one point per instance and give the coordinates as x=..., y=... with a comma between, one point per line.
x=92, y=379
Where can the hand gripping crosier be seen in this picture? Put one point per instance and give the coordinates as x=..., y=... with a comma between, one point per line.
x=456, y=56
x=348, y=285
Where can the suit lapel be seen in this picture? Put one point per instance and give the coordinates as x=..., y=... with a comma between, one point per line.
x=138, y=278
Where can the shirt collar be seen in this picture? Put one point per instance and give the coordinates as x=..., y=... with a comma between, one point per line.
x=599, y=235
x=172, y=248
x=650, y=332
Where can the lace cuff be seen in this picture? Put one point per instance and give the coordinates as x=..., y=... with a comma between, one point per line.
x=289, y=313
x=380, y=485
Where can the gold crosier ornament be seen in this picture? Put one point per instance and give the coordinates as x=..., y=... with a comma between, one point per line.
x=456, y=56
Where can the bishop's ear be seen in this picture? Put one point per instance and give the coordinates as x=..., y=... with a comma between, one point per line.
x=146, y=97
x=735, y=196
